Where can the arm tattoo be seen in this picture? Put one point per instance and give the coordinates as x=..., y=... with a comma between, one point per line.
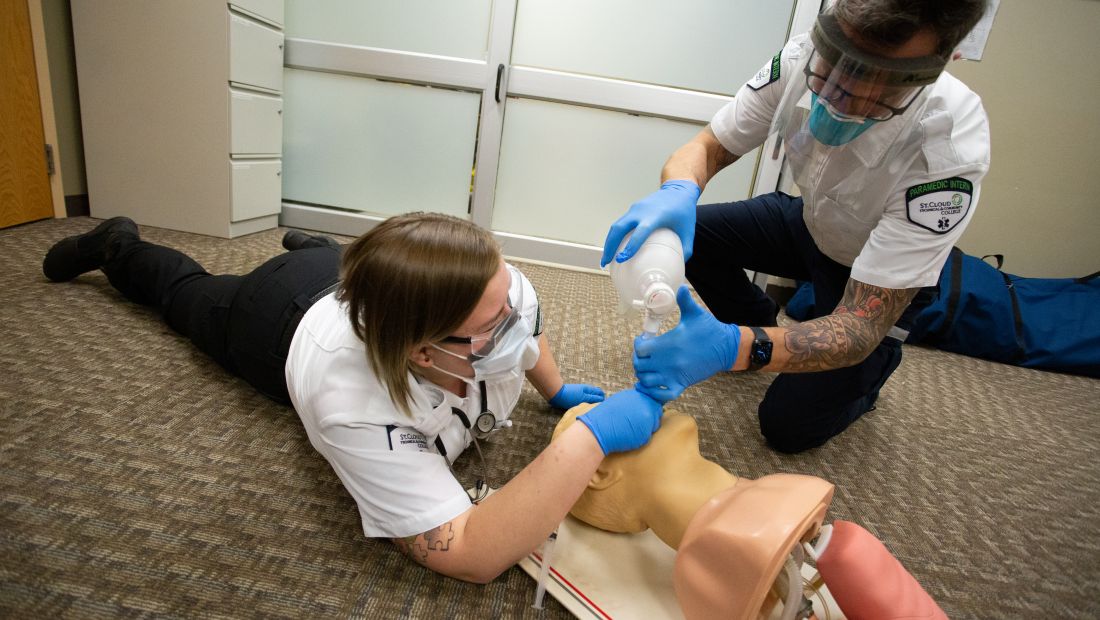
x=418, y=546
x=848, y=335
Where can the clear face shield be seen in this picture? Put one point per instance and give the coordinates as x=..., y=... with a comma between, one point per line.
x=841, y=91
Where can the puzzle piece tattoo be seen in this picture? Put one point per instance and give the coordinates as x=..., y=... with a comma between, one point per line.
x=418, y=546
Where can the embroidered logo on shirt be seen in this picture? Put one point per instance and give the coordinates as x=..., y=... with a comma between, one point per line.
x=766, y=75
x=402, y=438
x=940, y=205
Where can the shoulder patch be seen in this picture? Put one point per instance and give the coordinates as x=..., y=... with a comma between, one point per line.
x=939, y=206
x=767, y=74
x=402, y=438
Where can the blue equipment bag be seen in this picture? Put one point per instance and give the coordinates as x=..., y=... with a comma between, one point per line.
x=981, y=311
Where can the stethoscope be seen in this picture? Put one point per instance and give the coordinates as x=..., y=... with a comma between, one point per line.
x=484, y=424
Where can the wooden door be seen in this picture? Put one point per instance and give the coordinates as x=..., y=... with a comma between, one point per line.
x=24, y=181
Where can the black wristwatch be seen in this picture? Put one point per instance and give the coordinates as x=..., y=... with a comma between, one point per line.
x=760, y=355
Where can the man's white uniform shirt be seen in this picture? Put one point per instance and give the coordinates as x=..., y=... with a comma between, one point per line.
x=890, y=229
x=388, y=462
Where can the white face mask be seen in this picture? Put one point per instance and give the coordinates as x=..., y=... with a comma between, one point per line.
x=508, y=359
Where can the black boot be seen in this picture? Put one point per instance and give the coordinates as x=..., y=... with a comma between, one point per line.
x=79, y=254
x=297, y=240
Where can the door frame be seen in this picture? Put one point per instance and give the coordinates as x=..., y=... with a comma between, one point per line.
x=45, y=102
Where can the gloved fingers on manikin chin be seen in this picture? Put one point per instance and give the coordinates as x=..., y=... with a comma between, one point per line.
x=693, y=351
x=624, y=421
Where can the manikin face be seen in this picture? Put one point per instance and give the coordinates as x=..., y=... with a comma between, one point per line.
x=626, y=484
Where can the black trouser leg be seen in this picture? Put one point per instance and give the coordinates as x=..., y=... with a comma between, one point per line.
x=804, y=410
x=754, y=234
x=767, y=233
x=267, y=309
x=244, y=322
x=192, y=302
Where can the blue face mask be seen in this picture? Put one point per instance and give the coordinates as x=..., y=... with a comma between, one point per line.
x=831, y=130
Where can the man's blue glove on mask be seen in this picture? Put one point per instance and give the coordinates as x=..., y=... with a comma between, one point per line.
x=693, y=351
x=625, y=421
x=672, y=206
x=572, y=394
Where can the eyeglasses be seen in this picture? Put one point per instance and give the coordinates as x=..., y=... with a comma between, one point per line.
x=481, y=345
x=825, y=87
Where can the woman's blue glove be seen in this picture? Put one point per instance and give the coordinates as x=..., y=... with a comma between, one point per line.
x=693, y=351
x=625, y=421
x=672, y=206
x=572, y=394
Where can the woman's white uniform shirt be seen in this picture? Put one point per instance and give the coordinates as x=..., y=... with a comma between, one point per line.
x=390, y=463
x=888, y=229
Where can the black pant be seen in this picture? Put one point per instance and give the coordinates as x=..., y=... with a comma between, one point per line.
x=244, y=322
x=767, y=233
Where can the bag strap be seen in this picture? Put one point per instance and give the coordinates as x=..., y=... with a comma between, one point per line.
x=953, y=293
x=1018, y=322
x=1085, y=279
x=1000, y=259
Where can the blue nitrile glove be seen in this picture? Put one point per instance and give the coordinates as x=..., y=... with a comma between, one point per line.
x=694, y=350
x=572, y=394
x=625, y=421
x=672, y=206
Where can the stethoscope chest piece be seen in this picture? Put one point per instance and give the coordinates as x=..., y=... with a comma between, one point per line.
x=485, y=423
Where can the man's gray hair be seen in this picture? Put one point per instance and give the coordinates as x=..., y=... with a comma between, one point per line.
x=891, y=23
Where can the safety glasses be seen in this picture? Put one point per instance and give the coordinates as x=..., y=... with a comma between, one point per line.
x=482, y=345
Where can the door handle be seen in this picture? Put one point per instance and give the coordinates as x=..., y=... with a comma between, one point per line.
x=500, y=79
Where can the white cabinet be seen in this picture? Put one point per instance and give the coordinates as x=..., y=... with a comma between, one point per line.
x=181, y=106
x=256, y=124
x=255, y=185
x=255, y=54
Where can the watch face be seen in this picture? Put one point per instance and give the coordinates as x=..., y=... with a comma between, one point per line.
x=761, y=353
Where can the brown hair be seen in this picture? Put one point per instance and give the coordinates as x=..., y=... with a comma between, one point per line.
x=891, y=23
x=412, y=279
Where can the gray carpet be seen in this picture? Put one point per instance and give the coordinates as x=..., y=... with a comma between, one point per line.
x=139, y=479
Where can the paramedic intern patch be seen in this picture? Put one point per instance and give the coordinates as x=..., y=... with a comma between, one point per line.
x=939, y=205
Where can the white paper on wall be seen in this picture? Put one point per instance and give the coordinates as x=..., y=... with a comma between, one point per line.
x=973, y=46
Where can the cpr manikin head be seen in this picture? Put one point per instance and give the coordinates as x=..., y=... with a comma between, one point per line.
x=659, y=486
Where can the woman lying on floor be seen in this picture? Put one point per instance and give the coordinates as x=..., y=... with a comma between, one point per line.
x=397, y=352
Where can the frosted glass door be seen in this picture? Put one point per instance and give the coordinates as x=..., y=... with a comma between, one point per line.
x=703, y=45
x=601, y=94
x=377, y=147
x=365, y=131
x=458, y=28
x=567, y=172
